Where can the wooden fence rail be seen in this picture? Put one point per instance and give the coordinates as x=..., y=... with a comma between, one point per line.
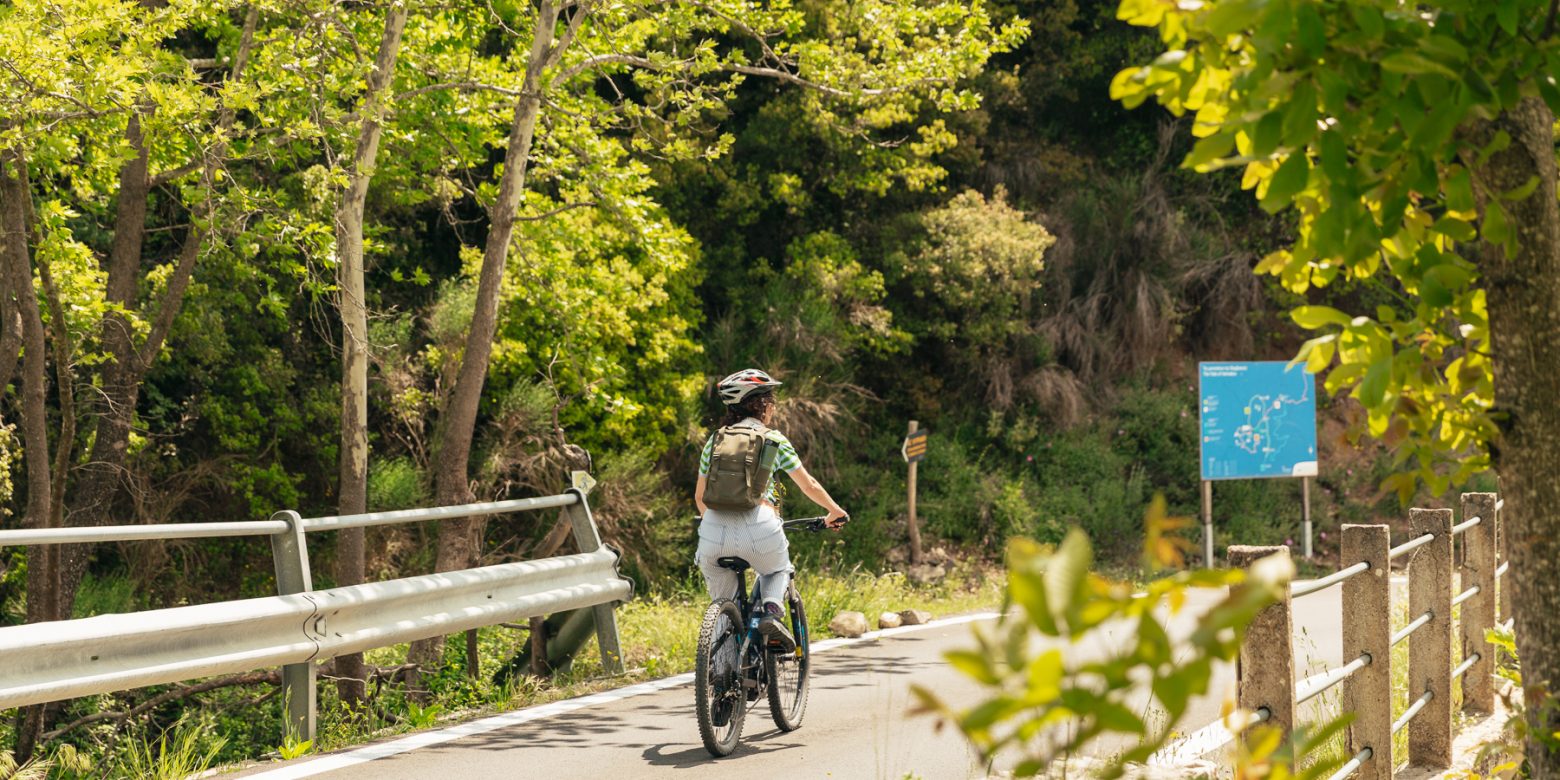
x=1452, y=602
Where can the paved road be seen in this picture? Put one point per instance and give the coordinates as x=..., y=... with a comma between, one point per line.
x=856, y=725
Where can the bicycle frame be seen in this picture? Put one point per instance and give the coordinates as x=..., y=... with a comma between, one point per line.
x=752, y=668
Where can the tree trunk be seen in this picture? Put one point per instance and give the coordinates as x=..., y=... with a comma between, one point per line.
x=114, y=411
x=353, y=488
x=460, y=540
x=1524, y=307
x=42, y=569
x=10, y=333
x=114, y=407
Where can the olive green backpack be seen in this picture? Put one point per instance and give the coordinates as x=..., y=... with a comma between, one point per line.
x=741, y=460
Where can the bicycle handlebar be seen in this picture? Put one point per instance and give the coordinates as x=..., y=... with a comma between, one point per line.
x=819, y=523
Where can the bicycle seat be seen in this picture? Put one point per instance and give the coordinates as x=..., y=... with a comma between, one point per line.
x=733, y=563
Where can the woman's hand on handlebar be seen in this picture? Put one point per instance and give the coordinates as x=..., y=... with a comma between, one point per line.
x=836, y=519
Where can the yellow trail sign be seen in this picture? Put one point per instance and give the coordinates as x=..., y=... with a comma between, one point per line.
x=914, y=447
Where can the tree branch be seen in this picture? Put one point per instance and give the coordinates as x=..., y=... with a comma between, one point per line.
x=467, y=86
x=777, y=74
x=1549, y=24
x=555, y=212
x=183, y=692
x=173, y=296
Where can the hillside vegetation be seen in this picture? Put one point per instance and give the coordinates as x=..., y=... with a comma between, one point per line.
x=1008, y=256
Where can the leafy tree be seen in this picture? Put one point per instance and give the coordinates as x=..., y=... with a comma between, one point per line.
x=658, y=72
x=1416, y=146
x=975, y=279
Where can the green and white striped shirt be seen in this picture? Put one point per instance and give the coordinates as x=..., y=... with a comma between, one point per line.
x=787, y=459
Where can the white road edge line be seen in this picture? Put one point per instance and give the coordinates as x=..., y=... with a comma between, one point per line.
x=424, y=739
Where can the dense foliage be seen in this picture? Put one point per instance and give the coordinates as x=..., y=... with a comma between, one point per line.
x=934, y=213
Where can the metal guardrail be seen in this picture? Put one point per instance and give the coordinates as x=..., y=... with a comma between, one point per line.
x=300, y=626
x=1413, y=709
x=1467, y=664
x=315, y=524
x=1442, y=552
x=1353, y=765
x=1313, y=686
x=1307, y=588
x=1409, y=546
x=1413, y=625
x=66, y=659
x=138, y=533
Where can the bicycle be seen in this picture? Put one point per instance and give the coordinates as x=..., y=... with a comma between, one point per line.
x=737, y=664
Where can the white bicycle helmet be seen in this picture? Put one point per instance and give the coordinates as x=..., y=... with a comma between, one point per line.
x=744, y=384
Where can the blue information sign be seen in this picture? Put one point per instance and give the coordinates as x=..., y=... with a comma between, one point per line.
x=1258, y=420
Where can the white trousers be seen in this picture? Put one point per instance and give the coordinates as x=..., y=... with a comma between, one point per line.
x=754, y=536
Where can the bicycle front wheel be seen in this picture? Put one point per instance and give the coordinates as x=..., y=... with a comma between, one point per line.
x=788, y=672
x=717, y=678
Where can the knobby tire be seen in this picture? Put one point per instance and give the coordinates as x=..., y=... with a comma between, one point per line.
x=789, y=676
x=722, y=626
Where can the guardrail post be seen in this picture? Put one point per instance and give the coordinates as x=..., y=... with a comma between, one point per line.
x=588, y=539
x=1502, y=555
x=1265, y=672
x=1430, y=648
x=291, y=554
x=1478, y=613
x=1367, y=628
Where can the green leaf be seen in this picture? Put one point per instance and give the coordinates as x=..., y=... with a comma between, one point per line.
x=1300, y=115
x=1506, y=16
x=1117, y=718
x=1368, y=19
x=1496, y=229
x=1315, y=317
x=1269, y=131
x=1312, y=30
x=1027, y=586
x=1459, y=190
x=1065, y=574
x=974, y=664
x=1045, y=678
x=1455, y=229
x=1373, y=388
x=1210, y=149
x=1522, y=192
x=1414, y=64
x=1287, y=181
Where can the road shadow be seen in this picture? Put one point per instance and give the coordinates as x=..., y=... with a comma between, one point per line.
x=763, y=743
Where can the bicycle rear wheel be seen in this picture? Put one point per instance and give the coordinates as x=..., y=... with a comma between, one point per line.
x=788, y=672
x=717, y=678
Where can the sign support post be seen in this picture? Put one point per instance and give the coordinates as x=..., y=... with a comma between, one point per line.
x=1207, y=513
x=1305, y=514
x=915, y=529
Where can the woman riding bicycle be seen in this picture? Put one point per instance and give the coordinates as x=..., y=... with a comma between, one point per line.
x=754, y=535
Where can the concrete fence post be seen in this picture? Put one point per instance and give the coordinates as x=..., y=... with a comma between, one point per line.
x=1478, y=613
x=1502, y=554
x=290, y=553
x=1265, y=672
x=1367, y=630
x=1430, y=648
x=588, y=539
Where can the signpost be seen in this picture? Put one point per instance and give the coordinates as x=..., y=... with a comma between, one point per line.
x=1258, y=421
x=913, y=450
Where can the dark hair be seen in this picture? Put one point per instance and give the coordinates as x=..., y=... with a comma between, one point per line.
x=753, y=406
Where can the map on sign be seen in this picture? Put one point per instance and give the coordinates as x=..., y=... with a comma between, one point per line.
x=1258, y=420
